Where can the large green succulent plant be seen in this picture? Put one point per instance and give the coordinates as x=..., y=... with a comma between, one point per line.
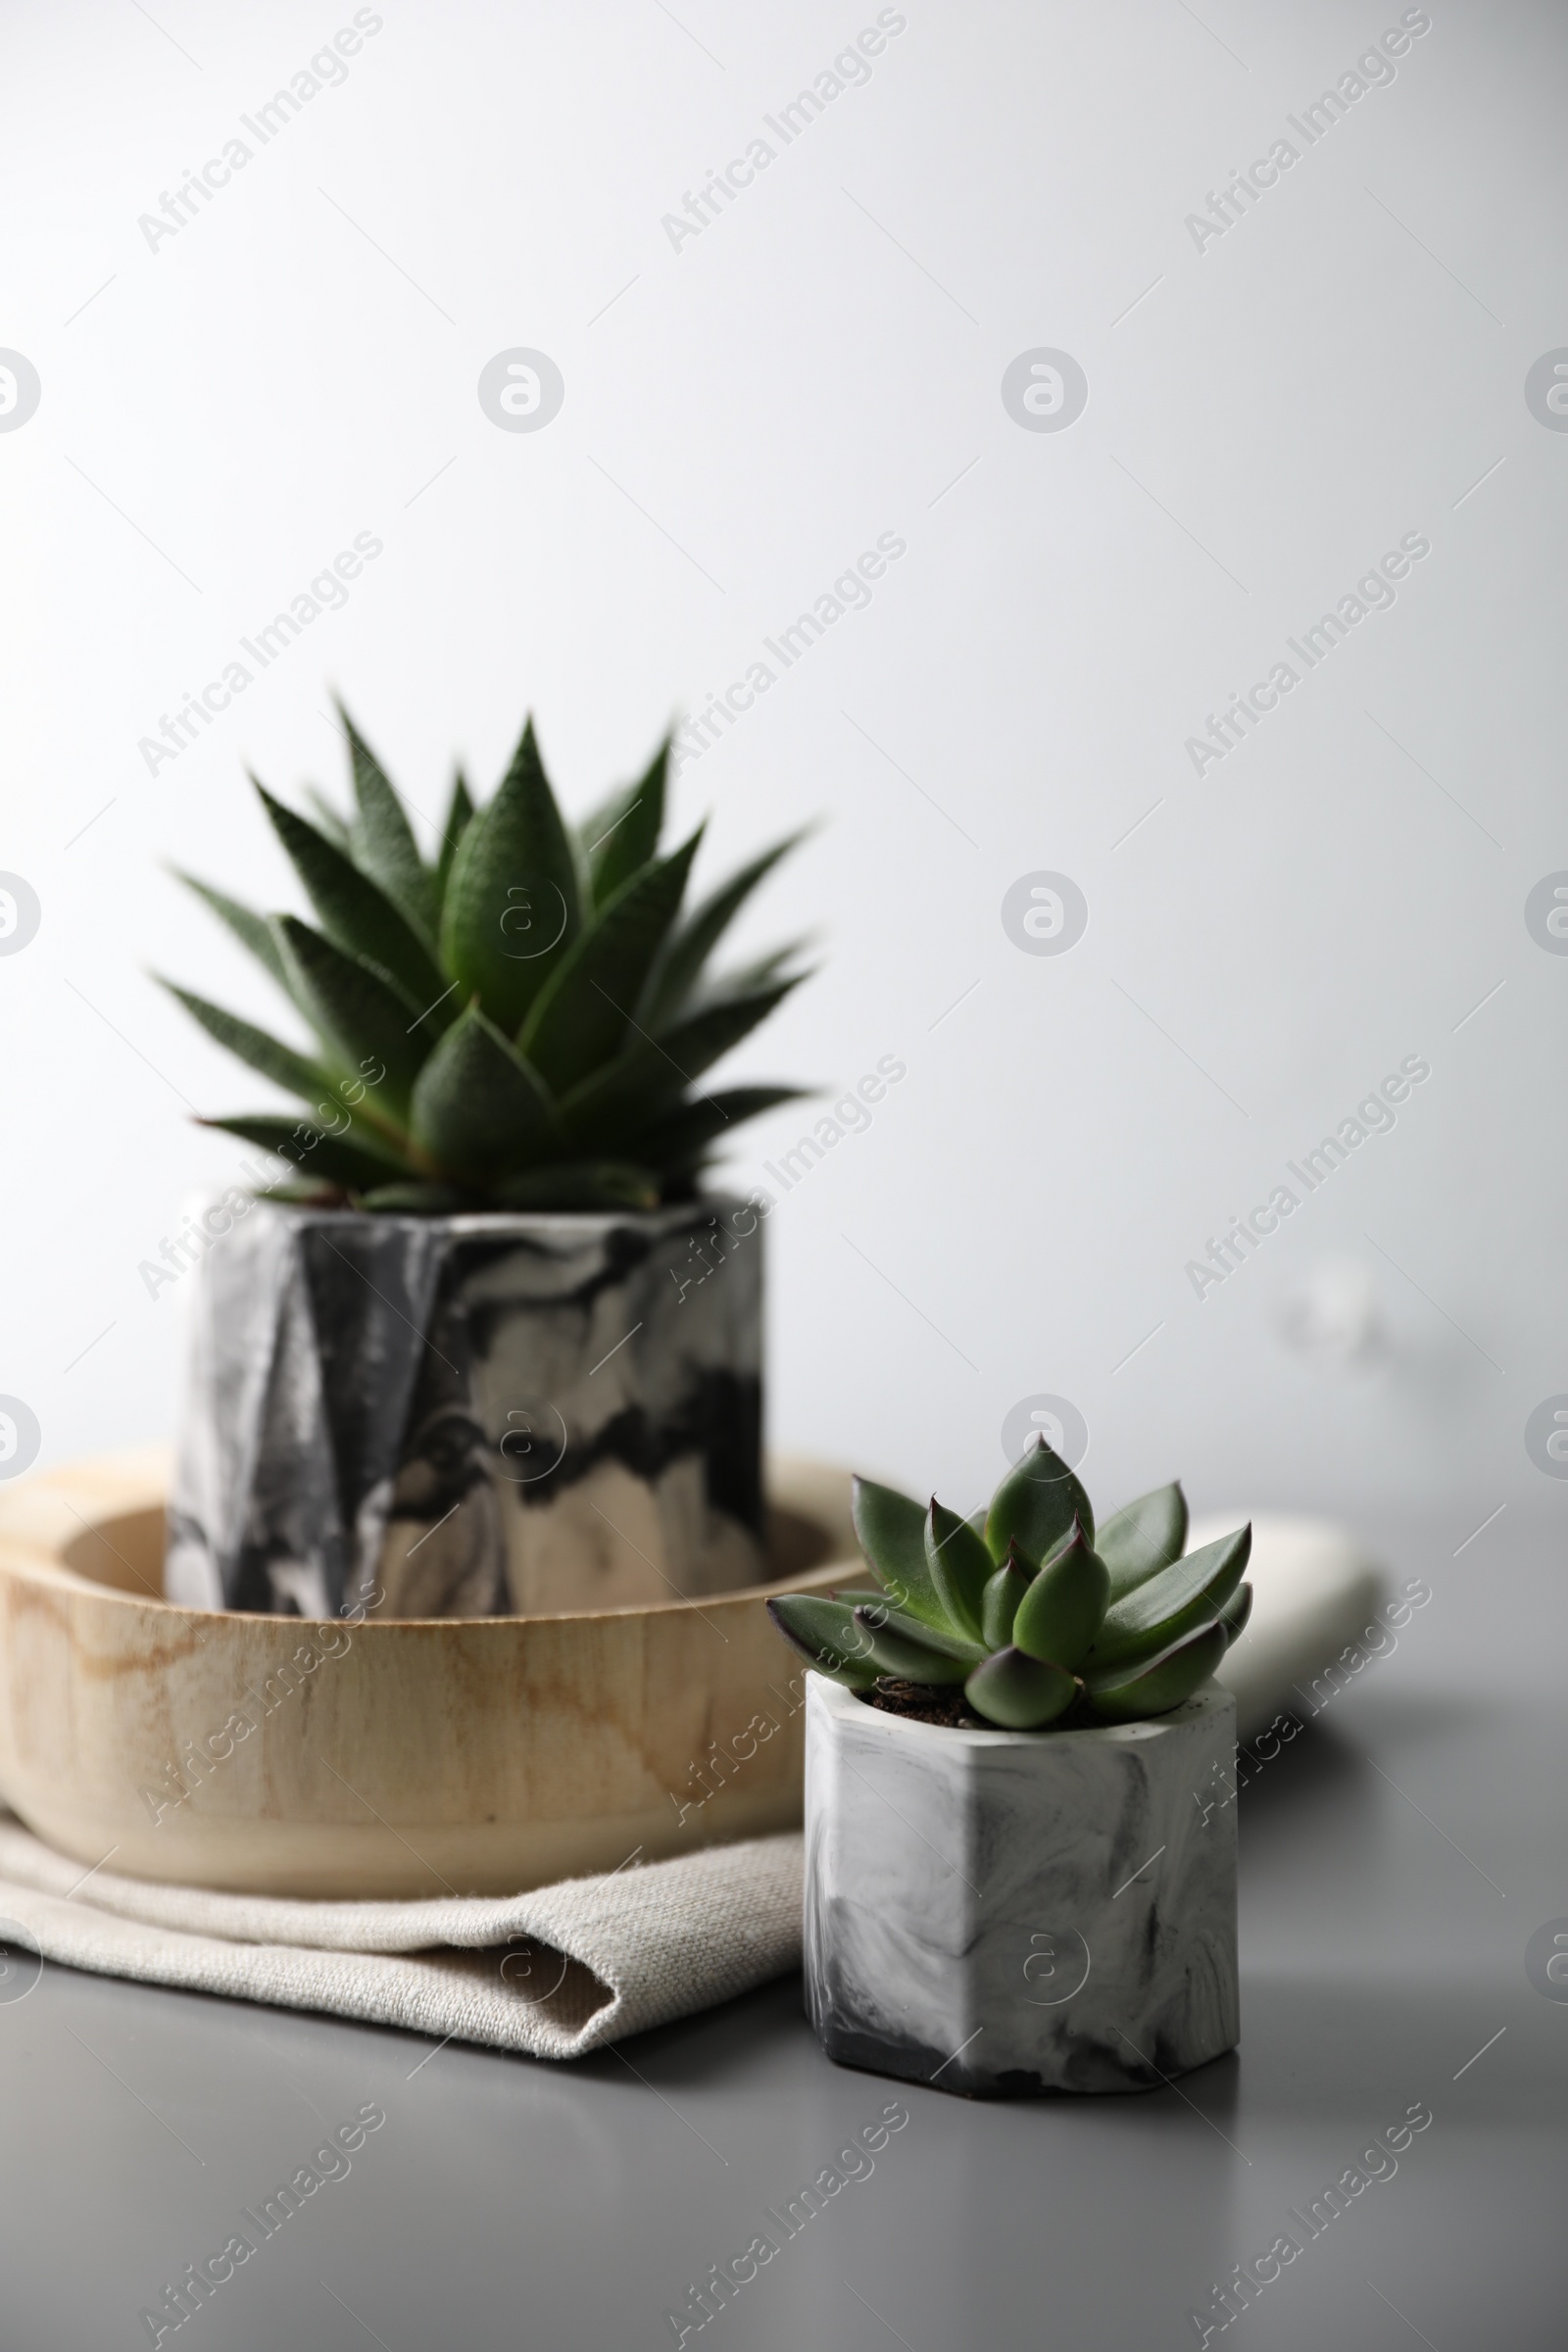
x=1041, y=1619
x=519, y=1022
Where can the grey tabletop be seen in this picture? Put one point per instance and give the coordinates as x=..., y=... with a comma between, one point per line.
x=1402, y=1860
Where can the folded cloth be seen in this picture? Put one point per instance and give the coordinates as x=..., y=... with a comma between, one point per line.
x=553, y=1973
x=1316, y=1590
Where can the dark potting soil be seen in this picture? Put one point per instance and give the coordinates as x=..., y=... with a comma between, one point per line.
x=944, y=1703
x=928, y=1702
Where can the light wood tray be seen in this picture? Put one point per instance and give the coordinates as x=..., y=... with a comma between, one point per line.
x=417, y=1757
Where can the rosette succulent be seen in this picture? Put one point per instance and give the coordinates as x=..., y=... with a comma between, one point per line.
x=1040, y=1617
x=520, y=1021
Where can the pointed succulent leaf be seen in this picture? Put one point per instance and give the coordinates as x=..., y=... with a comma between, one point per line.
x=959, y=1567
x=383, y=840
x=356, y=915
x=1142, y=1536
x=696, y=1043
x=1236, y=1612
x=1159, y=1687
x=880, y=1615
x=826, y=1634
x=268, y=1054
x=1035, y=1507
x=579, y=1183
x=911, y=1660
x=510, y=911
x=761, y=972
x=625, y=835
x=479, y=1111
x=585, y=1010
x=358, y=1017
x=1019, y=1693
x=329, y=820
x=1095, y=1678
x=1182, y=1597
x=626, y=1094
x=622, y=1098
x=680, y=1138
x=1059, y=1615
x=460, y=816
x=353, y=1165
x=589, y=830
x=681, y=967
x=251, y=929
x=1000, y=1603
x=890, y=1529
x=417, y=1200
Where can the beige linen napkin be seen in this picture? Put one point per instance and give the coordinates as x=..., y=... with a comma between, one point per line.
x=553, y=1973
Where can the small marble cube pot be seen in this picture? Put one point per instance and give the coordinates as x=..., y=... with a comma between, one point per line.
x=1008, y=1913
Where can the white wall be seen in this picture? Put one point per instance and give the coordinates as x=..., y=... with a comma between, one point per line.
x=755, y=408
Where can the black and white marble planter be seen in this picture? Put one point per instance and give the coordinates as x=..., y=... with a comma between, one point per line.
x=1005, y=1913
x=476, y=1415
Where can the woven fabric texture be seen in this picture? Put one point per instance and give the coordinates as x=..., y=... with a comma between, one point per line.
x=555, y=1972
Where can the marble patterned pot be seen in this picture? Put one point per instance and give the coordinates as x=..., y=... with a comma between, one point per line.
x=471, y=1417
x=1006, y=1913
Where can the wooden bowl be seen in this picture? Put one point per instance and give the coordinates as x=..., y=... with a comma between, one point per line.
x=281, y=1755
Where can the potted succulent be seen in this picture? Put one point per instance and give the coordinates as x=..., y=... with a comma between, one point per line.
x=1009, y=1886
x=490, y=1347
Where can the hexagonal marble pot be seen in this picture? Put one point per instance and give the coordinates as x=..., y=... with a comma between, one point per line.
x=1009, y=1913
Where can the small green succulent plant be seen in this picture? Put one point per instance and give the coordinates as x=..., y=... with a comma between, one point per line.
x=1041, y=1619
x=518, y=1022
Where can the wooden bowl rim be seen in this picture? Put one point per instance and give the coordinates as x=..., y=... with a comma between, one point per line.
x=113, y=1486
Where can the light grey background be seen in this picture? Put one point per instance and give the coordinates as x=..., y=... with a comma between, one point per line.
x=741, y=417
